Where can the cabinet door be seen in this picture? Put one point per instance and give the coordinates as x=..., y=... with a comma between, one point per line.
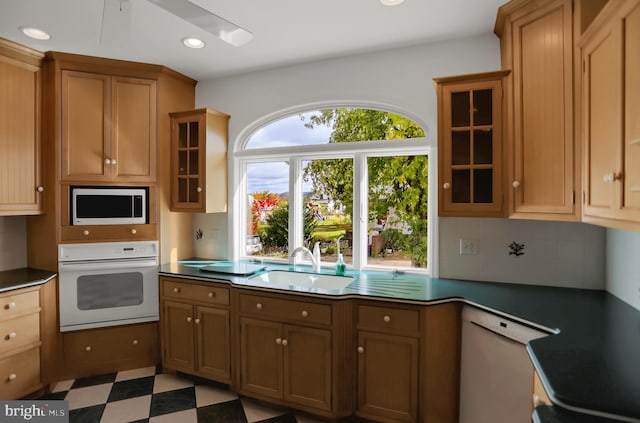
x=19, y=137
x=602, y=111
x=133, y=129
x=261, y=357
x=214, y=351
x=86, y=101
x=470, y=148
x=188, y=162
x=542, y=147
x=307, y=366
x=177, y=327
x=387, y=377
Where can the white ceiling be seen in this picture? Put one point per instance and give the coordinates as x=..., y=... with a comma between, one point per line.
x=285, y=31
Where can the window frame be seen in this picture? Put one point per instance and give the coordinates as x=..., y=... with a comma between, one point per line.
x=359, y=152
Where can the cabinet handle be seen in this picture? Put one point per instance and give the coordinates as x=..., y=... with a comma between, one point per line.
x=11, y=306
x=85, y=232
x=199, y=189
x=87, y=348
x=211, y=294
x=113, y=161
x=612, y=177
x=176, y=290
x=284, y=342
x=107, y=161
x=446, y=185
x=135, y=342
x=133, y=232
x=12, y=335
x=12, y=376
x=259, y=306
x=40, y=189
x=189, y=319
x=360, y=350
x=304, y=313
x=197, y=321
x=515, y=184
x=279, y=341
x=386, y=319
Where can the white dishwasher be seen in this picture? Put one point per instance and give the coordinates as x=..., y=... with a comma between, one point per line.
x=496, y=375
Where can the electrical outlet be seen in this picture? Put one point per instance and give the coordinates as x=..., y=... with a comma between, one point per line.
x=468, y=247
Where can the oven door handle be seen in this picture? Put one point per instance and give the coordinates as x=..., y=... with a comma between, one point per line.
x=116, y=265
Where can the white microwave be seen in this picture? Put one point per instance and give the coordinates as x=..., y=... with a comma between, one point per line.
x=109, y=205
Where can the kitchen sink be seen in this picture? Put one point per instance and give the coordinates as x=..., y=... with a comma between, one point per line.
x=285, y=278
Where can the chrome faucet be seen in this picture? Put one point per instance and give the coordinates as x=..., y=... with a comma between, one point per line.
x=315, y=256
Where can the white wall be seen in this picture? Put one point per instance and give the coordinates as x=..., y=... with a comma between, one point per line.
x=623, y=265
x=13, y=242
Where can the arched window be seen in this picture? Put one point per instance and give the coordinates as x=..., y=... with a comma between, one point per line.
x=354, y=180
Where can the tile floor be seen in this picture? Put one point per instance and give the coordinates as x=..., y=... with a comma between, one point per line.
x=146, y=395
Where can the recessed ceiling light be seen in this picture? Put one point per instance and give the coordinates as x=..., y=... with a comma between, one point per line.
x=391, y=2
x=36, y=33
x=193, y=42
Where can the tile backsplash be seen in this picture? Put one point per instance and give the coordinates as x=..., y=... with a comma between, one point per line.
x=567, y=254
x=13, y=242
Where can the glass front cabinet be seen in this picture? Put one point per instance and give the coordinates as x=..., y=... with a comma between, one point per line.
x=470, y=145
x=199, y=161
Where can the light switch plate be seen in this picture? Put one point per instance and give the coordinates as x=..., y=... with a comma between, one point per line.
x=468, y=247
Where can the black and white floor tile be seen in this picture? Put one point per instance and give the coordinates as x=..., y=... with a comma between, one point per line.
x=145, y=395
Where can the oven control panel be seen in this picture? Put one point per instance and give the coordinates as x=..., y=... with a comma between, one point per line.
x=107, y=250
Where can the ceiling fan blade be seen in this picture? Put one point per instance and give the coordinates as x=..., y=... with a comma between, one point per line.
x=210, y=22
x=116, y=22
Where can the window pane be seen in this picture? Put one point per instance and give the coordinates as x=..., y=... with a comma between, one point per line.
x=398, y=206
x=268, y=209
x=328, y=201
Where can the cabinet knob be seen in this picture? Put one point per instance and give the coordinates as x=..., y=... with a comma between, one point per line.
x=133, y=232
x=199, y=189
x=11, y=306
x=189, y=319
x=386, y=319
x=197, y=321
x=107, y=161
x=515, y=184
x=279, y=341
x=211, y=294
x=360, y=350
x=113, y=161
x=40, y=189
x=12, y=376
x=304, y=313
x=88, y=348
x=176, y=290
x=259, y=306
x=85, y=232
x=135, y=342
x=284, y=342
x=446, y=185
x=611, y=177
x=12, y=335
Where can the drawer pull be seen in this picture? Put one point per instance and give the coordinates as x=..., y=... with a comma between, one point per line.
x=12, y=335
x=360, y=350
x=197, y=321
x=135, y=342
x=304, y=313
x=176, y=290
x=189, y=319
x=386, y=319
x=279, y=341
x=10, y=306
x=85, y=232
x=259, y=306
x=284, y=342
x=12, y=376
x=211, y=294
x=87, y=348
x=133, y=232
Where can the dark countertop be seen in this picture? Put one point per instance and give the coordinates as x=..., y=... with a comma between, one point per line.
x=22, y=278
x=592, y=364
x=553, y=414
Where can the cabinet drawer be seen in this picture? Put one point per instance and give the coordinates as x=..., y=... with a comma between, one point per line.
x=285, y=309
x=193, y=292
x=93, y=233
x=387, y=319
x=16, y=304
x=20, y=331
x=20, y=374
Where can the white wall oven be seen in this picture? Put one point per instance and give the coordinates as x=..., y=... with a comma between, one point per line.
x=107, y=284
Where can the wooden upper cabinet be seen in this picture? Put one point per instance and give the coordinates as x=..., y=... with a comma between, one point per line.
x=470, y=144
x=542, y=164
x=199, y=161
x=611, y=130
x=108, y=128
x=20, y=184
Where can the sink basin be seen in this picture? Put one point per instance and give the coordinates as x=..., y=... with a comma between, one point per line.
x=284, y=278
